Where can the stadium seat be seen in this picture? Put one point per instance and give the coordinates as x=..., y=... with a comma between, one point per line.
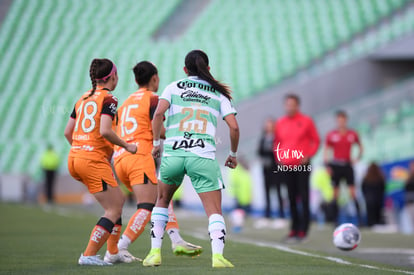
x=47, y=47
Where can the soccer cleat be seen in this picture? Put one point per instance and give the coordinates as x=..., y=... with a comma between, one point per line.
x=291, y=238
x=220, y=261
x=126, y=257
x=123, y=256
x=92, y=260
x=153, y=258
x=111, y=258
x=186, y=248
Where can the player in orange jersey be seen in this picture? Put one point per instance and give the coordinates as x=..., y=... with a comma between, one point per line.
x=138, y=171
x=89, y=131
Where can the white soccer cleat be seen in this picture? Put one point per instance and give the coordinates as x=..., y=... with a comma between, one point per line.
x=92, y=260
x=111, y=258
x=126, y=257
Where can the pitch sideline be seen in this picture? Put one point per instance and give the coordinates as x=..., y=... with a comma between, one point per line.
x=303, y=253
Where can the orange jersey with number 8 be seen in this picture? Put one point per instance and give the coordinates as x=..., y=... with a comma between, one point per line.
x=88, y=143
x=134, y=121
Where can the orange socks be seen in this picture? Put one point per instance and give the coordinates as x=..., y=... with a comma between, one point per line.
x=137, y=223
x=172, y=219
x=99, y=236
x=112, y=243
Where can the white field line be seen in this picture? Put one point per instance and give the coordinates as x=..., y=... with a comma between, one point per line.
x=201, y=236
x=383, y=250
x=303, y=253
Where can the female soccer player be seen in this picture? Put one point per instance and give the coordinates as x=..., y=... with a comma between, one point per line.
x=89, y=131
x=194, y=105
x=138, y=171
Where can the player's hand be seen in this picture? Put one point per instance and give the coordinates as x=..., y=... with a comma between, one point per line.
x=305, y=160
x=132, y=148
x=231, y=162
x=156, y=151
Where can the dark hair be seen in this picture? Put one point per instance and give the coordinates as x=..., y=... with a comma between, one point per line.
x=143, y=72
x=196, y=63
x=99, y=68
x=294, y=97
x=374, y=174
x=341, y=113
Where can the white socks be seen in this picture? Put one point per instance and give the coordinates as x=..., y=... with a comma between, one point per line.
x=217, y=231
x=175, y=236
x=159, y=219
x=123, y=243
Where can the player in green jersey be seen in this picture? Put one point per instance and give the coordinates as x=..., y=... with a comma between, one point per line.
x=194, y=105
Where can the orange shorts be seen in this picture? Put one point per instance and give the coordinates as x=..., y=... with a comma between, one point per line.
x=136, y=169
x=96, y=175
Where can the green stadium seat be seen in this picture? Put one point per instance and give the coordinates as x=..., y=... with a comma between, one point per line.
x=47, y=47
x=391, y=116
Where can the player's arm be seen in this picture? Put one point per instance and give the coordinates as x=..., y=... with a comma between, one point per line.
x=69, y=130
x=327, y=148
x=231, y=121
x=108, y=133
x=360, y=148
x=157, y=125
x=70, y=126
x=315, y=141
x=326, y=153
x=153, y=108
x=106, y=130
x=163, y=131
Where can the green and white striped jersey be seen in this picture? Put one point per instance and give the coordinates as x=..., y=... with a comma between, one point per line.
x=192, y=117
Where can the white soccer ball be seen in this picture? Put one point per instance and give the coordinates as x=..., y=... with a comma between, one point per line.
x=346, y=236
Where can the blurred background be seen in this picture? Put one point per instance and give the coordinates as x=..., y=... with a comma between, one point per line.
x=353, y=55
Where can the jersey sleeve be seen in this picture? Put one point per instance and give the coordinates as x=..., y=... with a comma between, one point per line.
x=109, y=106
x=226, y=107
x=153, y=105
x=73, y=114
x=166, y=94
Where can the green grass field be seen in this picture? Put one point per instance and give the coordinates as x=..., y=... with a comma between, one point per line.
x=38, y=241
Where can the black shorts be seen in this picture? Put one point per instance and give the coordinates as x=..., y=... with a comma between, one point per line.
x=342, y=171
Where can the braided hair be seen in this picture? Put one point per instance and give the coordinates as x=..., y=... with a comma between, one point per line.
x=98, y=69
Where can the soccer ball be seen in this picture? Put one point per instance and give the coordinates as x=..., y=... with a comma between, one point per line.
x=346, y=237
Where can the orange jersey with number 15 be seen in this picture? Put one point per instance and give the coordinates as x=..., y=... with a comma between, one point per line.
x=88, y=143
x=134, y=121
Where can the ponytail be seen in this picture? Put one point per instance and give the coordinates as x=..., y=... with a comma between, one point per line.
x=196, y=63
x=92, y=75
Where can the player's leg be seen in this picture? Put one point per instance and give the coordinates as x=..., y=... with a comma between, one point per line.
x=303, y=184
x=98, y=177
x=267, y=184
x=145, y=195
x=179, y=245
x=172, y=174
x=132, y=171
x=336, y=178
x=207, y=181
x=278, y=183
x=350, y=180
x=292, y=188
x=112, y=201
